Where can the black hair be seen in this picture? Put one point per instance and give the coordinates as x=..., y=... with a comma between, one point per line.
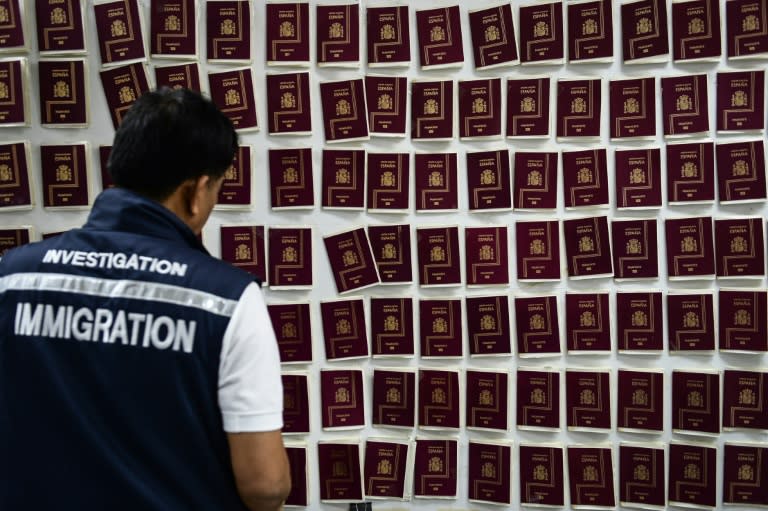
x=167, y=137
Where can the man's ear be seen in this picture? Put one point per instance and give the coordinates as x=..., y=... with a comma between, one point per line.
x=197, y=193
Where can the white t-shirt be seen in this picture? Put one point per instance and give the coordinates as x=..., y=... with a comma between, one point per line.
x=250, y=385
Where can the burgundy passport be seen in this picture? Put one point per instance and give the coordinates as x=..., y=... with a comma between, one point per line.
x=179, y=76
x=745, y=27
x=386, y=98
x=290, y=178
x=588, y=247
x=440, y=39
x=638, y=178
x=585, y=178
x=486, y=400
x=65, y=176
x=392, y=327
x=432, y=110
x=641, y=475
x=590, y=476
x=287, y=33
x=288, y=104
x=489, y=186
x=228, y=31
x=741, y=171
x=590, y=27
x=339, y=471
x=640, y=401
x=541, y=475
x=435, y=468
x=744, y=400
x=743, y=320
x=232, y=91
x=173, y=29
x=118, y=27
x=696, y=402
x=493, y=36
x=538, y=399
x=588, y=400
x=587, y=323
x=343, y=179
x=122, y=87
x=243, y=246
x=436, y=182
x=490, y=473
x=744, y=466
x=388, y=183
x=480, y=109
x=691, y=172
x=685, y=104
x=538, y=331
x=59, y=27
x=690, y=322
x=535, y=185
x=528, y=107
x=579, y=104
x=391, y=246
x=692, y=475
x=12, y=238
x=488, y=326
x=351, y=260
x=62, y=85
x=337, y=30
x=440, y=328
x=341, y=392
x=542, y=40
x=386, y=466
x=439, y=399
x=740, y=101
x=690, y=248
x=344, y=330
x=344, y=113
x=641, y=328
x=293, y=330
x=15, y=190
x=644, y=35
x=487, y=258
x=696, y=31
x=635, y=249
x=389, y=38
x=740, y=251
x=394, y=398
x=289, y=251
x=236, y=189
x=438, y=256
x=632, y=108
x=295, y=403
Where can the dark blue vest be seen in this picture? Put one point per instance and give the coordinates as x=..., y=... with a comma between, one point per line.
x=110, y=342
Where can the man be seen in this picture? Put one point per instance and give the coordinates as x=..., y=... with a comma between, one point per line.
x=137, y=372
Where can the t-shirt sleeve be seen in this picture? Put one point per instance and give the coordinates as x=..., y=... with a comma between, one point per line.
x=250, y=385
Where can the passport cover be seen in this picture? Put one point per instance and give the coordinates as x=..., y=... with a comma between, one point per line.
x=538, y=400
x=541, y=475
x=585, y=178
x=741, y=171
x=344, y=179
x=439, y=399
x=12, y=27
x=579, y=104
x=439, y=35
x=287, y=33
x=342, y=398
x=122, y=87
x=640, y=400
x=179, y=76
x=297, y=461
x=692, y=475
x=690, y=248
x=635, y=249
x=228, y=30
x=642, y=328
x=489, y=186
x=691, y=172
x=289, y=252
x=15, y=187
x=236, y=189
x=588, y=400
x=392, y=327
x=290, y=176
x=541, y=42
x=744, y=400
x=288, y=104
x=493, y=37
x=588, y=247
x=696, y=28
x=12, y=238
x=438, y=256
x=351, y=260
x=486, y=400
x=590, y=30
x=394, y=398
x=487, y=259
x=344, y=113
x=528, y=107
x=244, y=247
x=695, y=402
x=432, y=110
x=537, y=327
x=587, y=323
x=740, y=251
x=747, y=34
x=744, y=466
x=339, y=471
x=743, y=320
x=685, y=104
x=337, y=31
x=232, y=91
x=633, y=108
x=637, y=178
x=440, y=328
x=690, y=322
x=535, y=180
x=388, y=35
x=14, y=104
x=293, y=330
x=590, y=476
x=488, y=326
x=391, y=246
x=388, y=182
x=173, y=29
x=644, y=32
x=62, y=86
x=435, y=469
x=490, y=473
x=64, y=171
x=480, y=108
x=59, y=27
x=386, y=98
x=436, y=182
x=740, y=101
x=118, y=27
x=295, y=403
x=641, y=476
x=386, y=467
x=344, y=329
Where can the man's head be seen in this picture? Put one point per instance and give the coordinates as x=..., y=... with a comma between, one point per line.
x=168, y=137
x=174, y=146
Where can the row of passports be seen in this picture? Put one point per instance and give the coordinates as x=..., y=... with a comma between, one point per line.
x=450, y=400
x=480, y=326
x=694, y=173
x=594, y=248
x=646, y=476
x=355, y=109
x=644, y=25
